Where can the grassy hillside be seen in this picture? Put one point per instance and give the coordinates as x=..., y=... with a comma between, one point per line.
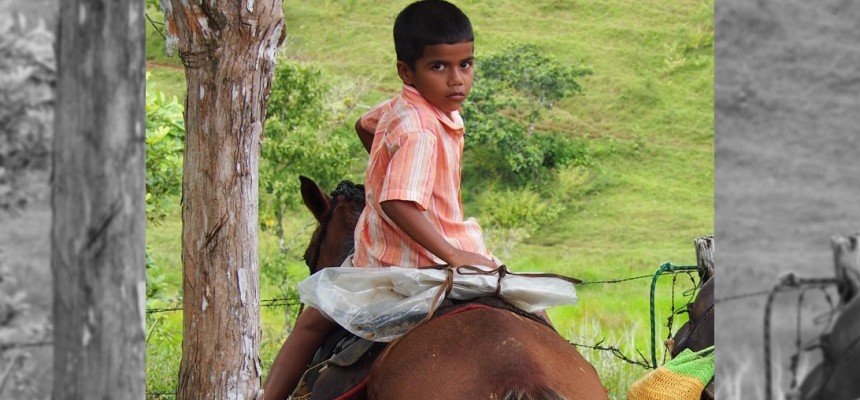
x=646, y=112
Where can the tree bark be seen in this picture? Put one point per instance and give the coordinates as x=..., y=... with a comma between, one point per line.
x=705, y=256
x=228, y=49
x=279, y=216
x=98, y=242
x=846, y=257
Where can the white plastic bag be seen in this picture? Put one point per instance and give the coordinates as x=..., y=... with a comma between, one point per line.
x=381, y=304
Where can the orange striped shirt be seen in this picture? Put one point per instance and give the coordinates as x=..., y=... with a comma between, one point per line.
x=415, y=156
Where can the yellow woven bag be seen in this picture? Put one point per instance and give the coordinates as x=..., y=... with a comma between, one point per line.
x=682, y=378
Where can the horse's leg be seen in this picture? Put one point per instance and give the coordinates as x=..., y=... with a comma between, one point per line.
x=483, y=354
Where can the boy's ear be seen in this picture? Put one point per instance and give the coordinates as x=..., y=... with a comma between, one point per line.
x=406, y=73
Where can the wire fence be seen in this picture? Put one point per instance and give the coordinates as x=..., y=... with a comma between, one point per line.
x=295, y=301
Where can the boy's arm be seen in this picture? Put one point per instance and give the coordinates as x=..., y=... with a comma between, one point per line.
x=363, y=135
x=365, y=127
x=412, y=222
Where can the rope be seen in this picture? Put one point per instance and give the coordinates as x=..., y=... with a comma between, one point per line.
x=446, y=287
x=665, y=268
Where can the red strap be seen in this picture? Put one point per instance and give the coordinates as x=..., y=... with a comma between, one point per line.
x=354, y=391
x=468, y=307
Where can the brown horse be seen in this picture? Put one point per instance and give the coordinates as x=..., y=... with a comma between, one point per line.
x=698, y=332
x=479, y=354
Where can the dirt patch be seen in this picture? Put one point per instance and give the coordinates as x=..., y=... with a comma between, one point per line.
x=787, y=169
x=172, y=67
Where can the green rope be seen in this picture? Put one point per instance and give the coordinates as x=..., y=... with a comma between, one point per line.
x=666, y=268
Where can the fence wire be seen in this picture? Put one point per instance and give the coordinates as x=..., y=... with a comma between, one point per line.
x=294, y=301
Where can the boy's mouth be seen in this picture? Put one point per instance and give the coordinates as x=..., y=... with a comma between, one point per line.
x=458, y=96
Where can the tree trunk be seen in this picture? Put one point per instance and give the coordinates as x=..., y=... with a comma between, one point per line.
x=98, y=242
x=279, y=216
x=846, y=257
x=228, y=49
x=705, y=257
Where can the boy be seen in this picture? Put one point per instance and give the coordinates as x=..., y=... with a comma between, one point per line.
x=414, y=216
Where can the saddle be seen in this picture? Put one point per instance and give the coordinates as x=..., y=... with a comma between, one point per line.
x=341, y=366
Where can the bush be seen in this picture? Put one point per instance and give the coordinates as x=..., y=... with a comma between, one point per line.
x=165, y=137
x=509, y=216
x=512, y=91
x=27, y=78
x=536, y=79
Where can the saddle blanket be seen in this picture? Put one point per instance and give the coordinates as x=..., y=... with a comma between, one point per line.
x=381, y=304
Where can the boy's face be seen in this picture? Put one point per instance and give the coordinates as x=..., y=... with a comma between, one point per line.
x=443, y=74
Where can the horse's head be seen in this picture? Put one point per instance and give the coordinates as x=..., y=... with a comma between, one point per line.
x=337, y=215
x=698, y=333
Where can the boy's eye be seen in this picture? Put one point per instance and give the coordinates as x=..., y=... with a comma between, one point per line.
x=466, y=64
x=438, y=67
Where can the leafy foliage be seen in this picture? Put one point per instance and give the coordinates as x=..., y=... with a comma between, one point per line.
x=515, y=171
x=513, y=89
x=303, y=136
x=536, y=78
x=27, y=78
x=165, y=134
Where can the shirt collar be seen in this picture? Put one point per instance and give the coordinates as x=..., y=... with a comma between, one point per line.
x=453, y=121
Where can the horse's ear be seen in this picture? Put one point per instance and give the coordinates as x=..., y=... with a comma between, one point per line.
x=315, y=199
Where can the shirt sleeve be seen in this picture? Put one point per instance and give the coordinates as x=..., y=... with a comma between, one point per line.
x=411, y=169
x=370, y=119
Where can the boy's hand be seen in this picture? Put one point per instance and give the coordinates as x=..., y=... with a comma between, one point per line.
x=460, y=258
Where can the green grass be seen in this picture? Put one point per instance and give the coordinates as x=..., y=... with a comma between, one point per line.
x=647, y=113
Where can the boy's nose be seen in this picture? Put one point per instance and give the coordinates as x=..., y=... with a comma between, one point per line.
x=455, y=78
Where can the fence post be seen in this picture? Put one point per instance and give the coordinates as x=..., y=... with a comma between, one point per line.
x=846, y=257
x=705, y=256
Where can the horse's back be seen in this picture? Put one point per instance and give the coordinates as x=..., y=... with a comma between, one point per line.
x=484, y=353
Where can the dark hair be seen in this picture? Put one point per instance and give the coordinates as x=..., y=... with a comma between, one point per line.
x=429, y=22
